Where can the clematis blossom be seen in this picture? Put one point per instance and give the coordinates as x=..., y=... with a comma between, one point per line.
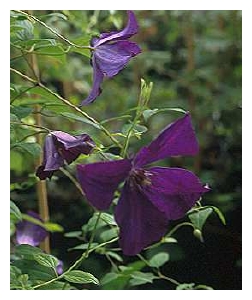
x=30, y=233
x=60, y=147
x=111, y=52
x=151, y=196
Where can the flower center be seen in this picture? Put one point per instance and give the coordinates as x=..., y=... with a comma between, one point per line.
x=140, y=177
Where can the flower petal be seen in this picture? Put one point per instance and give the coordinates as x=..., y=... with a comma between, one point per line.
x=177, y=139
x=97, y=80
x=100, y=180
x=112, y=58
x=30, y=233
x=173, y=190
x=130, y=29
x=52, y=160
x=140, y=222
x=73, y=146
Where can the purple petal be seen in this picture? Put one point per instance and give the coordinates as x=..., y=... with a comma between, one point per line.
x=177, y=139
x=59, y=267
x=73, y=146
x=52, y=160
x=97, y=80
x=140, y=222
x=112, y=58
x=30, y=233
x=42, y=174
x=130, y=29
x=100, y=180
x=173, y=190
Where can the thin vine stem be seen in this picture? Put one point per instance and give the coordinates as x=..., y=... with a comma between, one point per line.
x=68, y=103
x=73, y=179
x=177, y=227
x=29, y=16
x=44, y=129
x=83, y=256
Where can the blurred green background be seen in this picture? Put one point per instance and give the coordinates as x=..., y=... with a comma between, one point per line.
x=194, y=60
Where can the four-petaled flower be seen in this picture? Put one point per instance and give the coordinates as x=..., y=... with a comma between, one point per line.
x=60, y=147
x=150, y=196
x=111, y=52
x=30, y=233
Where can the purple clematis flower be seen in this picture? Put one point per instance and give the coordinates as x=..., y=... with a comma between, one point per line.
x=59, y=147
x=59, y=267
x=150, y=196
x=111, y=52
x=30, y=233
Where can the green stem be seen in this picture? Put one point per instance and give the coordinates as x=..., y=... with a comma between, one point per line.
x=32, y=125
x=83, y=256
x=73, y=179
x=53, y=31
x=168, y=278
x=178, y=226
x=68, y=103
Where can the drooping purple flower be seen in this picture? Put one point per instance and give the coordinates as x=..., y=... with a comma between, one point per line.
x=30, y=233
x=150, y=196
x=59, y=267
x=111, y=52
x=60, y=147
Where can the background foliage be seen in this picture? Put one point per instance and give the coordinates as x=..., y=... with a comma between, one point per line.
x=194, y=60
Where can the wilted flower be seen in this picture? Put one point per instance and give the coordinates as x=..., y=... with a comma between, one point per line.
x=60, y=147
x=150, y=196
x=111, y=52
x=30, y=233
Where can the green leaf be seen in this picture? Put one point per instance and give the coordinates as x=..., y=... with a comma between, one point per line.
x=80, y=119
x=34, y=270
x=80, y=277
x=149, y=112
x=198, y=218
x=21, y=111
x=114, y=255
x=53, y=227
x=139, y=278
x=108, y=234
x=108, y=219
x=82, y=41
x=26, y=29
x=26, y=251
x=109, y=277
x=105, y=219
x=159, y=259
x=32, y=148
x=51, y=50
x=73, y=234
x=15, y=212
x=57, y=285
x=46, y=260
x=84, y=246
x=185, y=286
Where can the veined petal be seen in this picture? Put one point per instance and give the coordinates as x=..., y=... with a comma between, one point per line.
x=112, y=58
x=130, y=29
x=100, y=180
x=97, y=80
x=176, y=139
x=173, y=190
x=140, y=222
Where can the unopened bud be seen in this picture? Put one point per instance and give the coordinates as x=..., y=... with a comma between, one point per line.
x=198, y=234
